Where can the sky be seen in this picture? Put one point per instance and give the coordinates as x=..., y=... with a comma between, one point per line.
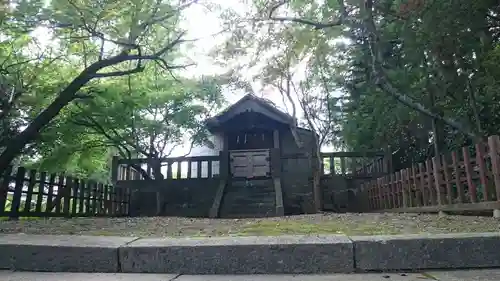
x=202, y=23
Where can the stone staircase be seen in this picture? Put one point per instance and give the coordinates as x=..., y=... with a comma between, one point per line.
x=248, y=199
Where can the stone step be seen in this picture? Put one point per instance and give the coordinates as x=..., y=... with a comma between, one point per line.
x=250, y=212
x=256, y=196
x=252, y=195
x=253, y=206
x=243, y=185
x=248, y=206
x=247, y=215
x=250, y=189
x=248, y=193
x=251, y=182
x=249, y=200
x=243, y=216
x=254, y=187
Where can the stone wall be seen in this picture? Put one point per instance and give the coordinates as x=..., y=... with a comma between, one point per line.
x=184, y=197
x=341, y=194
x=335, y=197
x=296, y=172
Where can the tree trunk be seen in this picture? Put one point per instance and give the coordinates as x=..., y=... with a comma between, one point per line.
x=15, y=146
x=317, y=165
x=437, y=128
x=156, y=167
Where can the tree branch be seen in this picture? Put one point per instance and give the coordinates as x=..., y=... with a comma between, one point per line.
x=316, y=25
x=137, y=69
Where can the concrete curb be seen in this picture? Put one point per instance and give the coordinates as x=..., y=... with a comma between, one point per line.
x=61, y=253
x=239, y=255
x=248, y=255
x=427, y=251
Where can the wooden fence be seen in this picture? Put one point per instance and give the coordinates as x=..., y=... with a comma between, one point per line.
x=465, y=180
x=354, y=164
x=29, y=193
x=171, y=168
x=351, y=164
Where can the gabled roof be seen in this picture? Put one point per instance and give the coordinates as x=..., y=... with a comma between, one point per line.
x=251, y=103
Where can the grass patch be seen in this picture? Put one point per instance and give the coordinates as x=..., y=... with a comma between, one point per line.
x=21, y=218
x=271, y=228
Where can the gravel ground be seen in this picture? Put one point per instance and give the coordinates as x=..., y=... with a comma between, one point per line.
x=351, y=224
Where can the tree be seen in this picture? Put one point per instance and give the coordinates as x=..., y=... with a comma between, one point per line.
x=103, y=39
x=387, y=57
x=149, y=117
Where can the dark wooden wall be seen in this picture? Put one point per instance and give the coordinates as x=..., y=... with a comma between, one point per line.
x=177, y=197
x=188, y=188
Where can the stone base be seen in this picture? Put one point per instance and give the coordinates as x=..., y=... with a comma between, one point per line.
x=249, y=255
x=239, y=255
x=432, y=251
x=60, y=253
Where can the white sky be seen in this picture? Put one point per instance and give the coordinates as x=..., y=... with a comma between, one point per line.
x=202, y=23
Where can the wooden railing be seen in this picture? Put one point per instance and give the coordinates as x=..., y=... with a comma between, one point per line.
x=354, y=164
x=171, y=168
x=465, y=180
x=30, y=193
x=364, y=164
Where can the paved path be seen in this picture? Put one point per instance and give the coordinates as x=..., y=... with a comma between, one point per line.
x=470, y=275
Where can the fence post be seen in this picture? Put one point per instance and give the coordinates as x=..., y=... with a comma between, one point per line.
x=447, y=180
x=469, y=173
x=398, y=190
x=66, y=196
x=438, y=179
x=404, y=190
x=387, y=165
x=29, y=192
x=18, y=190
x=114, y=169
x=493, y=143
x=5, y=177
x=413, y=182
x=458, y=182
x=74, y=196
x=431, y=182
x=393, y=190
x=480, y=152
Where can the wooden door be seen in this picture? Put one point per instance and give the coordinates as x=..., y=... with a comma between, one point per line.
x=250, y=163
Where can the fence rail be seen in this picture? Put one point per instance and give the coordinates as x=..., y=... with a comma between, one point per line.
x=355, y=164
x=30, y=193
x=465, y=180
x=171, y=168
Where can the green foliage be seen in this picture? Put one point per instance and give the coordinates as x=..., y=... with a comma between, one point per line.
x=441, y=55
x=46, y=48
x=448, y=64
